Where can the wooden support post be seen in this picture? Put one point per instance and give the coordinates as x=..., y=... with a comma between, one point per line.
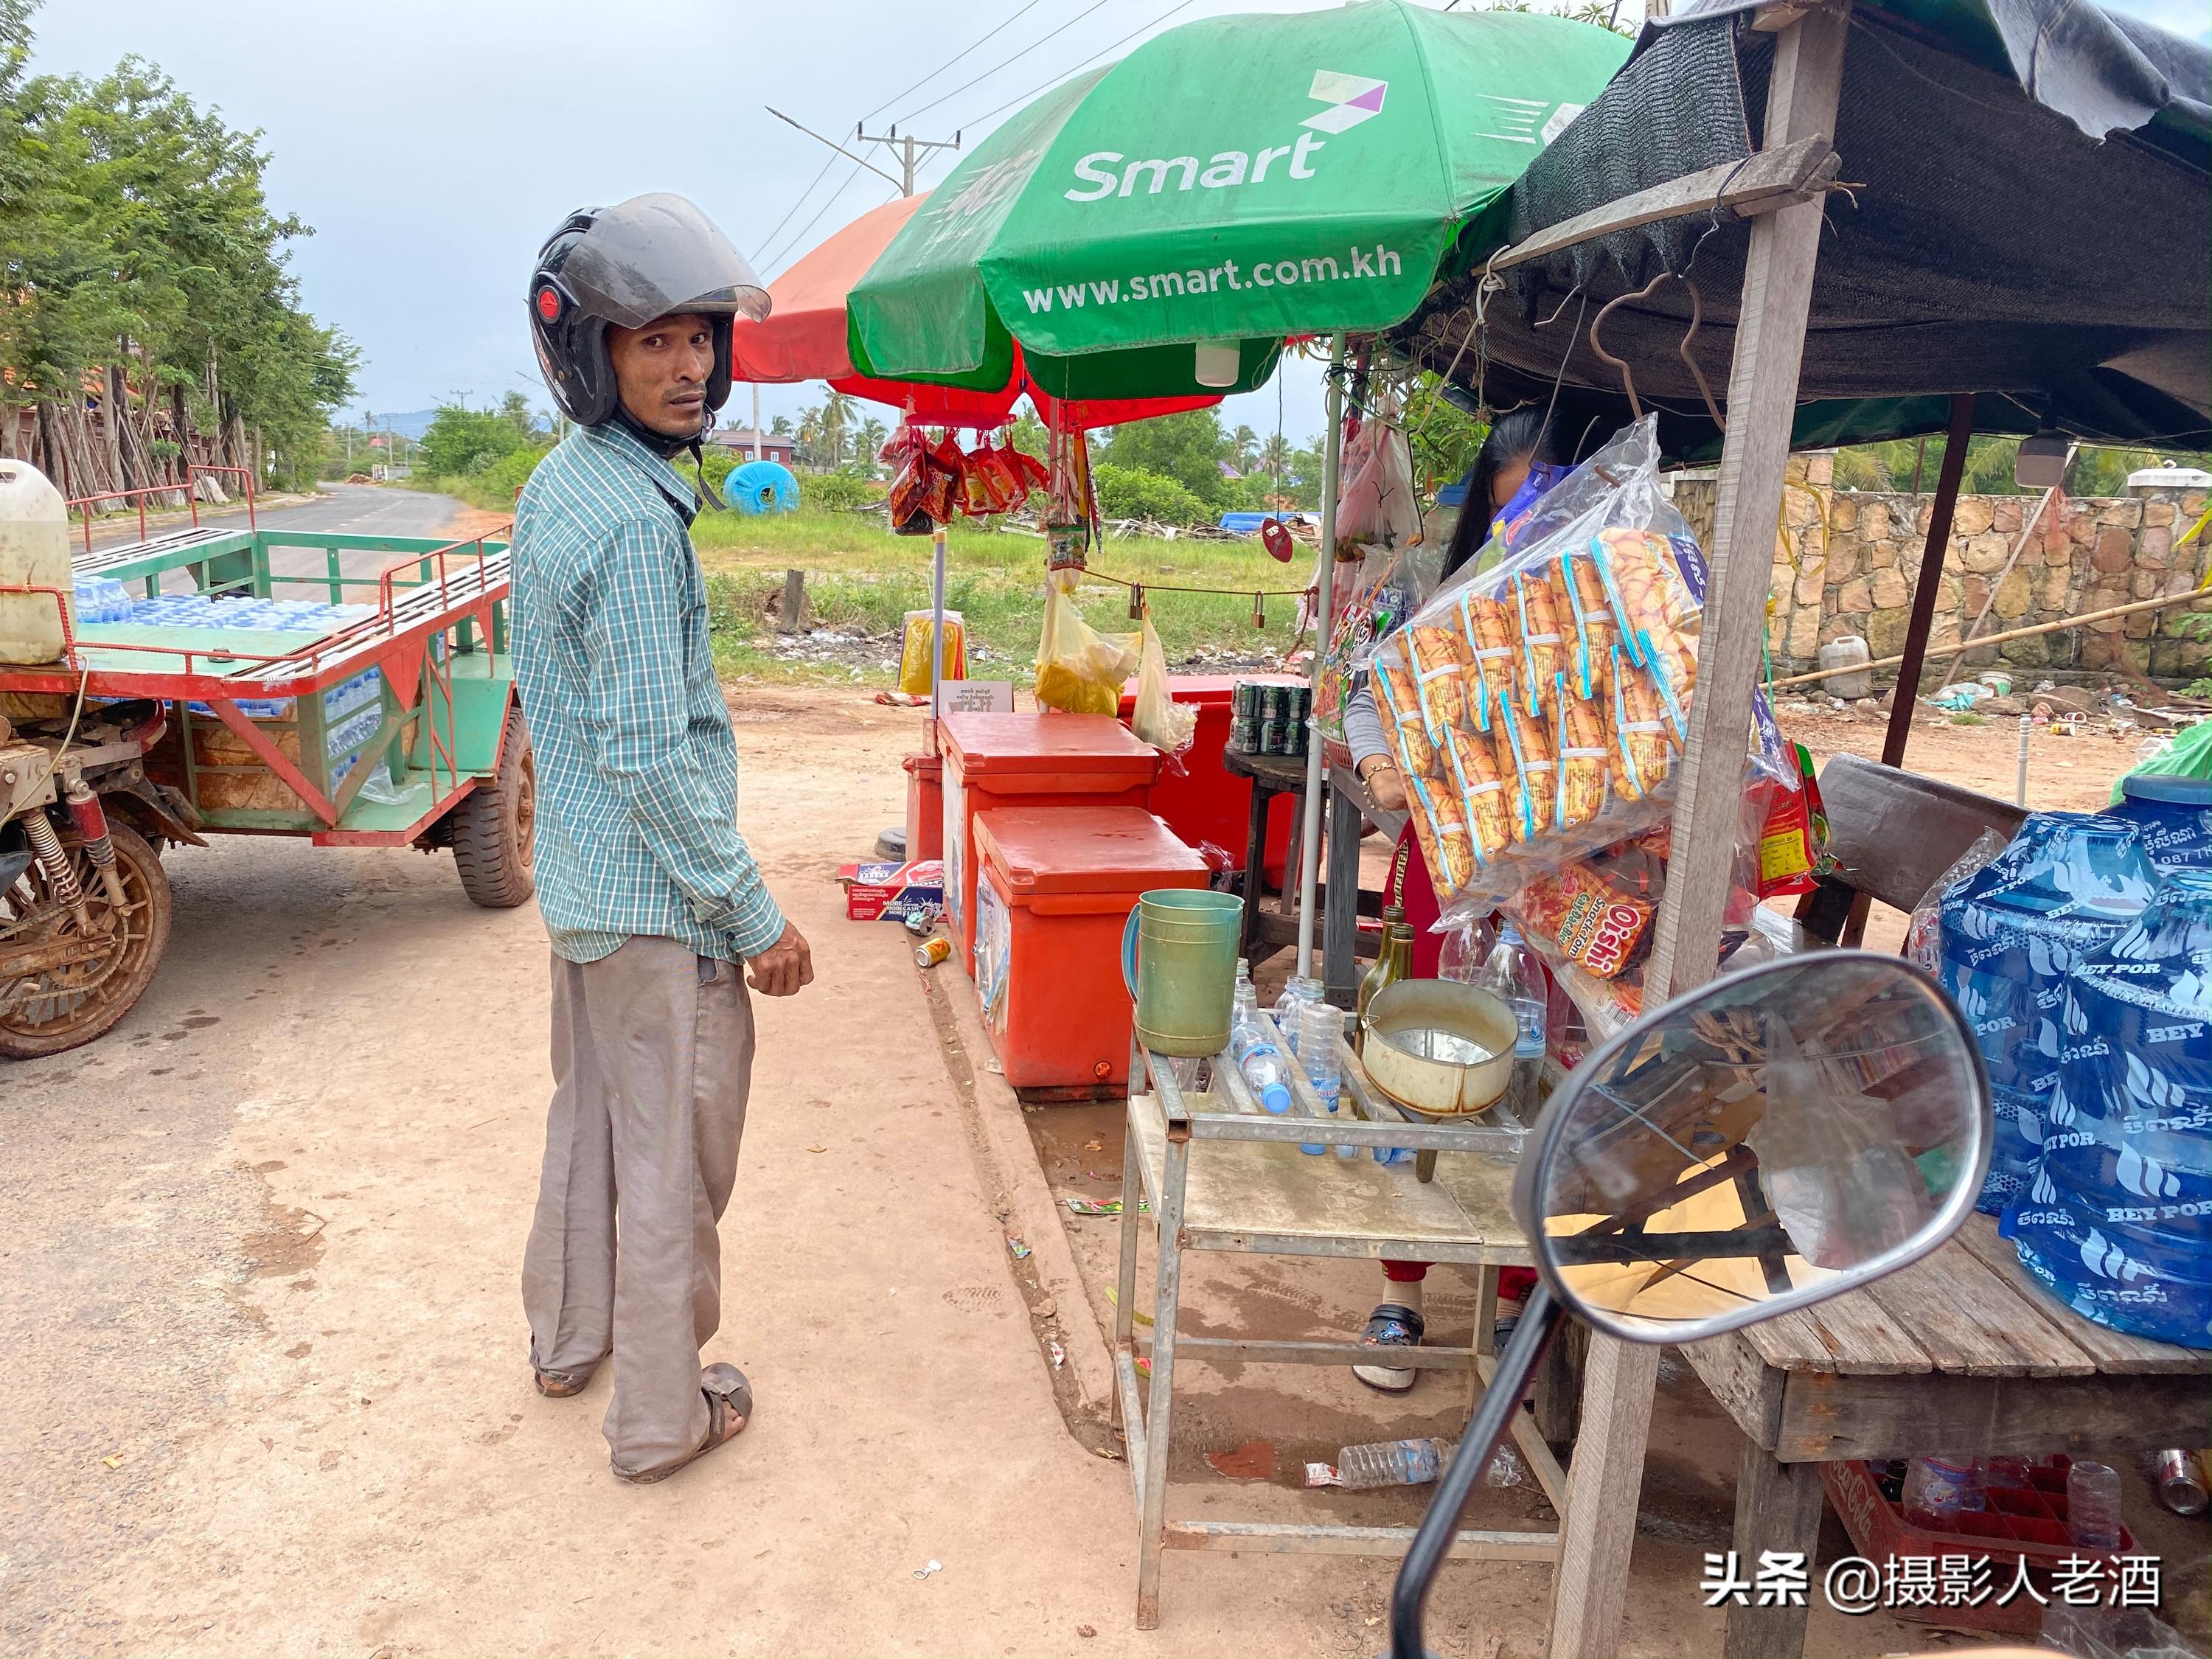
x=1906, y=693
x=1598, y=1529
x=791, y=617
x=1778, y=1508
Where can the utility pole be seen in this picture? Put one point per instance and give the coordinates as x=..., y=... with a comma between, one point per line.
x=756, y=435
x=905, y=148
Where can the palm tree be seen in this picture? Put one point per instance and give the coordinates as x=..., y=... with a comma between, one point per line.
x=779, y=427
x=1244, y=444
x=837, y=410
x=807, y=443
x=869, y=439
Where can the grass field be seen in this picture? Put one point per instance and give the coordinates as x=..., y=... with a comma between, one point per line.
x=859, y=575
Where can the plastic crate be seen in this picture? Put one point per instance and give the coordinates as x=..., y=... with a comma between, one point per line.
x=2027, y=1524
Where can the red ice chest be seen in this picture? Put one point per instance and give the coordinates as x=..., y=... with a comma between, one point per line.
x=1027, y=760
x=1057, y=886
x=1207, y=801
x=925, y=806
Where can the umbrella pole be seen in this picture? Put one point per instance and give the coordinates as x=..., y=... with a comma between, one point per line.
x=1325, y=621
x=936, y=629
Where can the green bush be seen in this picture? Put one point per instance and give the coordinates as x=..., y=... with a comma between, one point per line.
x=503, y=476
x=839, y=492
x=461, y=442
x=1131, y=492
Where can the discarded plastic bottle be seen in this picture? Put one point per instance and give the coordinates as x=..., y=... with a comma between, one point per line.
x=1321, y=1026
x=1263, y=1065
x=1297, y=992
x=1512, y=976
x=2092, y=1506
x=1936, y=1490
x=1392, y=1463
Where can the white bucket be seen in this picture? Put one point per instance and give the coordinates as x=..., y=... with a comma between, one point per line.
x=33, y=553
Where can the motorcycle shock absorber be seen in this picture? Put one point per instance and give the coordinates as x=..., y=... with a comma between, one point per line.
x=61, y=880
x=92, y=829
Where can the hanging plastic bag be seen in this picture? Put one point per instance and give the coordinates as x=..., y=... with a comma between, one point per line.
x=1375, y=505
x=1080, y=670
x=1158, y=719
x=1540, y=709
x=1383, y=590
x=1923, y=933
x=914, y=654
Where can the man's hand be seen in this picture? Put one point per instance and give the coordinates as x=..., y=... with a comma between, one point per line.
x=785, y=965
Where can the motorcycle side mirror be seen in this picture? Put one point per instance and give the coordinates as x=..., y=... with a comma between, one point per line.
x=1778, y=1137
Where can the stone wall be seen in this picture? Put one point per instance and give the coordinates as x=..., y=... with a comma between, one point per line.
x=1846, y=561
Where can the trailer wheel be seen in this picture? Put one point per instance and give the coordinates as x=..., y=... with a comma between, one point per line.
x=69, y=1002
x=492, y=824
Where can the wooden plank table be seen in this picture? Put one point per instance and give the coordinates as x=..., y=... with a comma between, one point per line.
x=1959, y=1353
x=1341, y=944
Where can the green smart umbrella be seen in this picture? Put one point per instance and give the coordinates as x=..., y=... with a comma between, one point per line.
x=1230, y=183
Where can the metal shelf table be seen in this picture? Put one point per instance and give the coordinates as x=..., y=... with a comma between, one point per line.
x=1251, y=1190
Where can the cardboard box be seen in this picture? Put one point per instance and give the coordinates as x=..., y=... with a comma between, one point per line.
x=893, y=892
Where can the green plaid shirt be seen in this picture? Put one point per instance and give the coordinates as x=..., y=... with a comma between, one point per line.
x=637, y=773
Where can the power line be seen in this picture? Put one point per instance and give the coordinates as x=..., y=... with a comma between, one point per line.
x=946, y=65
x=1003, y=63
x=800, y=235
x=1181, y=5
x=796, y=205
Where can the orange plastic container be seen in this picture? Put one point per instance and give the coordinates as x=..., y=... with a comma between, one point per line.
x=1027, y=760
x=925, y=806
x=1205, y=801
x=1057, y=886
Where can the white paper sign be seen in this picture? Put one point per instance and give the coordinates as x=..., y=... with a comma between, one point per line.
x=978, y=696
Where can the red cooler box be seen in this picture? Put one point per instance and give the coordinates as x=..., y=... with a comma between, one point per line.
x=1027, y=760
x=1206, y=801
x=1057, y=886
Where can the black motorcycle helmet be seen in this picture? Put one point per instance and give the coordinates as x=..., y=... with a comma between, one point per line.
x=652, y=256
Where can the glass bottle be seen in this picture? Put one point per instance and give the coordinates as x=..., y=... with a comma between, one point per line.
x=1393, y=962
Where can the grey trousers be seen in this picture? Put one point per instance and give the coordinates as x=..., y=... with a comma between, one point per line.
x=653, y=1055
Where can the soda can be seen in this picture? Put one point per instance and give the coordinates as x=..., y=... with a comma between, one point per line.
x=1272, y=704
x=1245, y=700
x=2180, y=1483
x=1243, y=736
x=1271, y=737
x=933, y=951
x=1299, y=704
x=1294, y=738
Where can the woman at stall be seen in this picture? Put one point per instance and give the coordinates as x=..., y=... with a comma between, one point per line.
x=1517, y=463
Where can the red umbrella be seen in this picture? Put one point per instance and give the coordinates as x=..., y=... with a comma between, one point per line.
x=803, y=338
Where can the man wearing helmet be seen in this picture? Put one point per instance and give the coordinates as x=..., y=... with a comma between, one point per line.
x=648, y=892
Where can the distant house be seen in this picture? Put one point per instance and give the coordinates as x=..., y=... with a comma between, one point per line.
x=739, y=441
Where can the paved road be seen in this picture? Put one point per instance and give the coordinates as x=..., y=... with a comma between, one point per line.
x=351, y=509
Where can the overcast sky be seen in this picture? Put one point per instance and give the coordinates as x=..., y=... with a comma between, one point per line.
x=433, y=145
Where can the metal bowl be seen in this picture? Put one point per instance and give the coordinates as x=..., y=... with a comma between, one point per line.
x=1439, y=1048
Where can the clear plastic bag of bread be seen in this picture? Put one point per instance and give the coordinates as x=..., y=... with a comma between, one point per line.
x=1540, y=707
x=1080, y=670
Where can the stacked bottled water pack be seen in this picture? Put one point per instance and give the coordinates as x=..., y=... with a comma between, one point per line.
x=274, y=615
x=2118, y=1217
x=101, y=600
x=2068, y=883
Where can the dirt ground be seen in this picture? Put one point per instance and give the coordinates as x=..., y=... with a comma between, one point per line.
x=272, y=1392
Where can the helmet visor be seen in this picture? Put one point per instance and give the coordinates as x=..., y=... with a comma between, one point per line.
x=657, y=255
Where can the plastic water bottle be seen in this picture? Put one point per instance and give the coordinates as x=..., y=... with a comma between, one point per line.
x=1297, y=992
x=1936, y=1490
x=1263, y=1066
x=1392, y=1463
x=1513, y=977
x=1246, y=996
x=2092, y=1507
x=1321, y=1025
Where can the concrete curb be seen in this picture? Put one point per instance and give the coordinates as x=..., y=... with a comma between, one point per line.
x=1028, y=1210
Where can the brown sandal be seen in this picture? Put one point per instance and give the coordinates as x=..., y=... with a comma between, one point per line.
x=560, y=1385
x=729, y=1409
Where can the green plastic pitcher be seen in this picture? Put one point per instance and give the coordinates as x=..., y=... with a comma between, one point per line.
x=1179, y=961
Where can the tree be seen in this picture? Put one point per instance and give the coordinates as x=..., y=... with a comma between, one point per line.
x=461, y=442
x=1244, y=448
x=147, y=282
x=779, y=427
x=867, y=441
x=1188, y=447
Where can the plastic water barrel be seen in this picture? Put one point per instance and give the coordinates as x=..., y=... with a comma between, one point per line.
x=33, y=553
x=1847, y=651
x=2173, y=815
x=760, y=487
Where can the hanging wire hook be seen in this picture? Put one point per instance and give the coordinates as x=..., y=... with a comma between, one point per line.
x=1627, y=380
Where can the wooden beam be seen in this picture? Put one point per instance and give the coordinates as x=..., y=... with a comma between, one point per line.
x=1598, y=1532
x=1772, y=179
x=1930, y=582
